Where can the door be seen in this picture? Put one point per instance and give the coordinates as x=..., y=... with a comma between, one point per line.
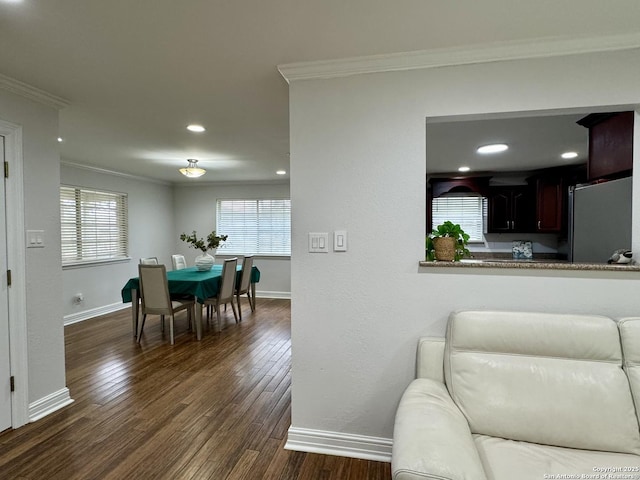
x=5, y=369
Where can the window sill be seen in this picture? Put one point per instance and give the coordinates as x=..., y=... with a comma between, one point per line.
x=276, y=257
x=95, y=263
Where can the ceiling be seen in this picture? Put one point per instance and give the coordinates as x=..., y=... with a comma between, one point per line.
x=534, y=142
x=135, y=73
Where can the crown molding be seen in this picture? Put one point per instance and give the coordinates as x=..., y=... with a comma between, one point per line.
x=445, y=57
x=113, y=172
x=32, y=93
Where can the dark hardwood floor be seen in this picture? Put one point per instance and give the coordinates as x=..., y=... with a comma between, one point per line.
x=215, y=409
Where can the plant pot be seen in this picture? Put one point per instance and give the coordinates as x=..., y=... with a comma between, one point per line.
x=444, y=248
x=204, y=262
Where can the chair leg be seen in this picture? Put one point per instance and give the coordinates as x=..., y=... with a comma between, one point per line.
x=144, y=317
x=171, y=329
x=239, y=307
x=233, y=307
x=219, y=319
x=162, y=323
x=251, y=302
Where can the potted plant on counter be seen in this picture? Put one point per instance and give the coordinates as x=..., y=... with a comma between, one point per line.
x=447, y=242
x=205, y=261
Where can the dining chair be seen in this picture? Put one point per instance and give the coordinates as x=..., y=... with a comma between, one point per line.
x=226, y=290
x=149, y=261
x=244, y=286
x=178, y=262
x=154, y=293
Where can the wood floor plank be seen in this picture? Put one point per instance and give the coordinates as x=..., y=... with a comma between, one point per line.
x=215, y=409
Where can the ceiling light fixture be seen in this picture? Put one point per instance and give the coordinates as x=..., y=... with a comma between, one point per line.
x=568, y=155
x=195, y=128
x=192, y=170
x=493, y=148
x=464, y=169
x=281, y=172
x=59, y=139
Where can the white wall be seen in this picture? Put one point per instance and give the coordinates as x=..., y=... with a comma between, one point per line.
x=41, y=173
x=195, y=209
x=151, y=234
x=358, y=163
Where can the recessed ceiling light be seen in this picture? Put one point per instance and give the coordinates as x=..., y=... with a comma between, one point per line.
x=59, y=139
x=493, y=148
x=568, y=155
x=195, y=128
x=464, y=169
x=281, y=172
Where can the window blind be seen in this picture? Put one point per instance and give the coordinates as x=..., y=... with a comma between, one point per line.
x=94, y=225
x=258, y=227
x=467, y=211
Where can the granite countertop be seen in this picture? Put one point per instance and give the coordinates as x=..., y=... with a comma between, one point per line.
x=535, y=263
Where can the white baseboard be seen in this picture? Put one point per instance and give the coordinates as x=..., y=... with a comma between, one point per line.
x=342, y=444
x=267, y=294
x=94, y=312
x=49, y=404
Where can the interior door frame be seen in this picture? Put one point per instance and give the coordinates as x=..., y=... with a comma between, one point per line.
x=17, y=297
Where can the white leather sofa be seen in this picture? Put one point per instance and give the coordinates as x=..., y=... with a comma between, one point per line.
x=523, y=396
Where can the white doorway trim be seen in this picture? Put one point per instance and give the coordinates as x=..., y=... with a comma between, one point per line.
x=16, y=263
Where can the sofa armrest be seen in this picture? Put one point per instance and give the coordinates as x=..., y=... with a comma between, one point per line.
x=430, y=358
x=431, y=437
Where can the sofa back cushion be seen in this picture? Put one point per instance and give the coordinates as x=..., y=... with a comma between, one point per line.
x=630, y=339
x=543, y=378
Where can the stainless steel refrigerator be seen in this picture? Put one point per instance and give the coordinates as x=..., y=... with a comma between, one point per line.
x=599, y=220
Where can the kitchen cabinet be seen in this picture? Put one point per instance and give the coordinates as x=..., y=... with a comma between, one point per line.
x=550, y=203
x=510, y=209
x=610, y=144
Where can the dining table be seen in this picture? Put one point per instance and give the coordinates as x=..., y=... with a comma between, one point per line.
x=188, y=281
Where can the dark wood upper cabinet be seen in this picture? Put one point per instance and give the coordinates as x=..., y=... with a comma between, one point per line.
x=510, y=209
x=610, y=144
x=550, y=204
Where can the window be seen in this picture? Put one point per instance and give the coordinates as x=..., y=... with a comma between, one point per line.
x=260, y=227
x=94, y=225
x=470, y=211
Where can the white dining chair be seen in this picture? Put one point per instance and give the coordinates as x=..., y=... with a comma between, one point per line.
x=149, y=261
x=154, y=293
x=178, y=262
x=226, y=290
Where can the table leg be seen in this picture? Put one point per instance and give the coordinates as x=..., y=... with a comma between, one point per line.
x=198, y=319
x=135, y=311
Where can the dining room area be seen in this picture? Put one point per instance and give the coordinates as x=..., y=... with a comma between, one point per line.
x=158, y=214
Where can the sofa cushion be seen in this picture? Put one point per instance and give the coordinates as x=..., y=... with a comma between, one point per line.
x=509, y=460
x=630, y=339
x=542, y=378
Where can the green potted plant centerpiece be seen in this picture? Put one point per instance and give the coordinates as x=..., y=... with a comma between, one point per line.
x=447, y=242
x=205, y=261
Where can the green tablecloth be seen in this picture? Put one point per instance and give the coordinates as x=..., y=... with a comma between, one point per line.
x=191, y=281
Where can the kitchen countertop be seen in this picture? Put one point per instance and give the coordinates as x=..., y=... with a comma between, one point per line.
x=544, y=263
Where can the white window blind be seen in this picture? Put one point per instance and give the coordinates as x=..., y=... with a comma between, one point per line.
x=94, y=225
x=469, y=211
x=259, y=227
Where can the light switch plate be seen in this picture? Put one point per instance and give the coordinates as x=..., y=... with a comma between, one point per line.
x=340, y=241
x=318, y=242
x=35, y=238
